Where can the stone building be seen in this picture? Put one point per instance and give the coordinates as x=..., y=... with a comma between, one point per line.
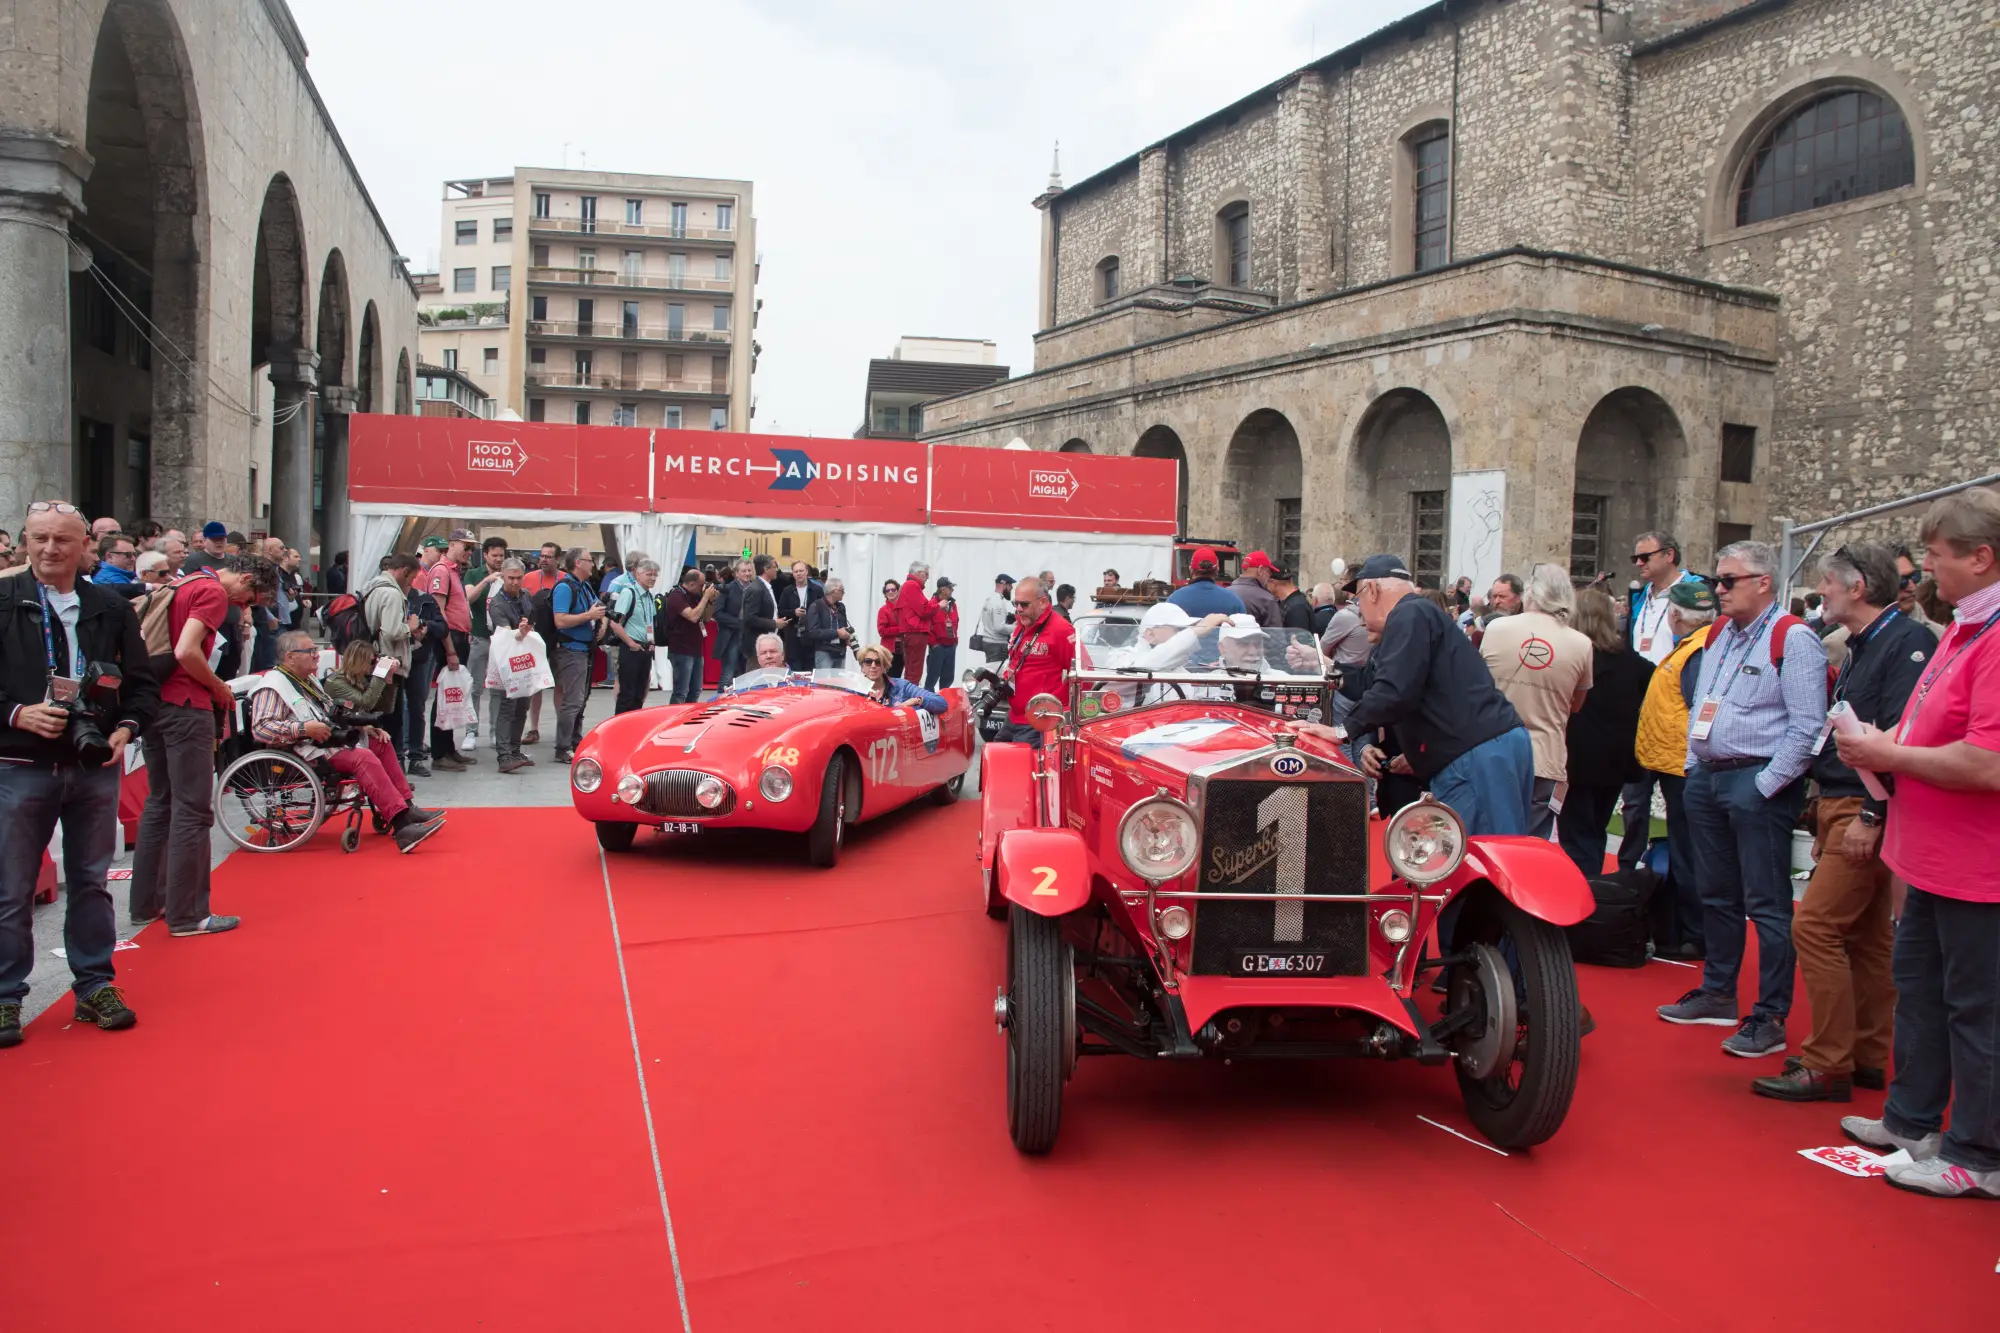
x=193, y=278
x=1514, y=280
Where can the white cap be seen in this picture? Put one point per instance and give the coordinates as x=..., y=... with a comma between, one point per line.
x=1165, y=613
x=1243, y=627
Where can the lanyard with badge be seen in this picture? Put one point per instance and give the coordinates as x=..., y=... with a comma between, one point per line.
x=1647, y=636
x=1836, y=701
x=49, y=638
x=1704, y=718
x=1938, y=673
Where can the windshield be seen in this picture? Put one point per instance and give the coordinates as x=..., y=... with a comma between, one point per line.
x=834, y=678
x=842, y=678
x=1119, y=644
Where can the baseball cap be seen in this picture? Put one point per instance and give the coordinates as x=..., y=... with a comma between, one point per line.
x=435, y=544
x=462, y=535
x=946, y=583
x=1204, y=555
x=1004, y=578
x=1378, y=567
x=213, y=531
x=1692, y=595
x=1257, y=560
x=1242, y=626
x=1165, y=613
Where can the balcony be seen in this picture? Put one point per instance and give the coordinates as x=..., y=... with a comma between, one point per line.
x=599, y=383
x=659, y=231
x=620, y=277
x=612, y=331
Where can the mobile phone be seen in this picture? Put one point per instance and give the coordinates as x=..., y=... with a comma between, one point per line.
x=383, y=666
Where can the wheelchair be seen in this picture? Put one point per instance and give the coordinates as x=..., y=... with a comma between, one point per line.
x=270, y=800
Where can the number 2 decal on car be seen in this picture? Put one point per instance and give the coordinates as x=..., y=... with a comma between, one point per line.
x=882, y=760
x=1045, y=885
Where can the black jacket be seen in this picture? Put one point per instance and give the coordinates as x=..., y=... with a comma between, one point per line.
x=1881, y=672
x=107, y=631
x=824, y=621
x=788, y=597
x=1297, y=610
x=1432, y=688
x=759, y=613
x=729, y=605
x=1603, y=735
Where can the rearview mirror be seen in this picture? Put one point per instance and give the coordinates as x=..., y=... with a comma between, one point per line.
x=1045, y=712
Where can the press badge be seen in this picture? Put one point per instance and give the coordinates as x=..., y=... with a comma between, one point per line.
x=1819, y=741
x=1704, y=718
x=1646, y=644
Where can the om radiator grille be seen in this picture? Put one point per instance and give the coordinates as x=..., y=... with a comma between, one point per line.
x=1281, y=839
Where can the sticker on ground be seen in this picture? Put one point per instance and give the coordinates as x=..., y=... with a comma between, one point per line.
x=1852, y=1161
x=119, y=947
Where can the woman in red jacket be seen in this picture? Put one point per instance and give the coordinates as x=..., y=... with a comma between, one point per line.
x=942, y=660
x=886, y=632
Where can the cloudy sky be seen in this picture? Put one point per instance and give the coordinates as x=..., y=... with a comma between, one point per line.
x=894, y=144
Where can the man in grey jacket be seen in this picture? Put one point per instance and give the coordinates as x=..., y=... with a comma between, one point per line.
x=1253, y=586
x=385, y=606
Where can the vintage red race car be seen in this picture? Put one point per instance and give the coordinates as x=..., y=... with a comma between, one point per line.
x=1185, y=873
x=805, y=753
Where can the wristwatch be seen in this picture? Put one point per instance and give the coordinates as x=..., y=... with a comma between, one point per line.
x=1870, y=819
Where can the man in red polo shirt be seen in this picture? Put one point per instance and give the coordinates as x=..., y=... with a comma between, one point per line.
x=1942, y=835
x=1038, y=658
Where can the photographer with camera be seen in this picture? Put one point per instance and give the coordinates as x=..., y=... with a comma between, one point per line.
x=195, y=704
x=290, y=711
x=75, y=689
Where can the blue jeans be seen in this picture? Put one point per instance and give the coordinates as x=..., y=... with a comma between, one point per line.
x=1491, y=785
x=728, y=649
x=1022, y=733
x=939, y=664
x=1743, y=867
x=32, y=800
x=416, y=737
x=687, y=677
x=1947, y=970
x=1682, y=889
x=1636, y=803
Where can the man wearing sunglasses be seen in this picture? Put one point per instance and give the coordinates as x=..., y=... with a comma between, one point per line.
x=1759, y=706
x=1909, y=582
x=1656, y=568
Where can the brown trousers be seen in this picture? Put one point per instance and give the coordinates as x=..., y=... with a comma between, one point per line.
x=1844, y=939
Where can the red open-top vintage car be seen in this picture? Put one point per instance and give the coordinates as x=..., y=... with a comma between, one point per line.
x=1183, y=873
x=804, y=753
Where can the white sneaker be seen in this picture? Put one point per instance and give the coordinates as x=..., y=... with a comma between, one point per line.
x=1946, y=1180
x=1876, y=1135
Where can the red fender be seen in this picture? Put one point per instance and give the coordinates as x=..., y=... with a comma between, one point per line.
x=1006, y=794
x=1045, y=870
x=1535, y=875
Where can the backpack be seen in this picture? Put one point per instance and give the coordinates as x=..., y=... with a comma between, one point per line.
x=542, y=615
x=1781, y=628
x=1614, y=934
x=154, y=610
x=345, y=622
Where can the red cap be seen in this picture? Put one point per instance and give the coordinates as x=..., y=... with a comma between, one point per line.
x=1204, y=555
x=1257, y=560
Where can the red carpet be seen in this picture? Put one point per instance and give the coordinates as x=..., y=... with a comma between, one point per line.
x=827, y=1091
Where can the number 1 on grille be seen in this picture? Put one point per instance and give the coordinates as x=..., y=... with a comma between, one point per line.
x=1287, y=808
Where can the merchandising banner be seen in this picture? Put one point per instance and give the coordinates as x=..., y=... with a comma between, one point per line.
x=466, y=463
x=1020, y=488
x=788, y=477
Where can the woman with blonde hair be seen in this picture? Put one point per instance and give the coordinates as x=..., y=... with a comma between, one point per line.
x=355, y=683
x=886, y=688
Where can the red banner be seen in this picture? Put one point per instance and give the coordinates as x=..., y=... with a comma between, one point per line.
x=1023, y=488
x=787, y=476
x=504, y=464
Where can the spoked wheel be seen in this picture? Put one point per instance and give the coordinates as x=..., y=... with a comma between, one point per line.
x=947, y=795
x=829, y=830
x=269, y=801
x=1038, y=1014
x=1517, y=1058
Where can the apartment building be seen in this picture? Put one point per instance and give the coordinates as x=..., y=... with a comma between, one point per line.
x=638, y=300
x=463, y=308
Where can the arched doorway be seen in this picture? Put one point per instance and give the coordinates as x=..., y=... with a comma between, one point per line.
x=1630, y=449
x=138, y=425
x=1075, y=447
x=1262, y=485
x=1402, y=453
x=406, y=389
x=368, y=363
x=334, y=403
x=1161, y=442
x=278, y=331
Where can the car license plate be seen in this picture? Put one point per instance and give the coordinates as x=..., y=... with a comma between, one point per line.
x=1252, y=964
x=680, y=826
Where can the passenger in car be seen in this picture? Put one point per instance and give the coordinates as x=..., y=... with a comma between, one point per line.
x=895, y=691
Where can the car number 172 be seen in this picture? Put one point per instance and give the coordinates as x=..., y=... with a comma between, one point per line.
x=883, y=755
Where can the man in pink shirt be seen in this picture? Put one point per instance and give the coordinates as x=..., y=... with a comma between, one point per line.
x=1943, y=837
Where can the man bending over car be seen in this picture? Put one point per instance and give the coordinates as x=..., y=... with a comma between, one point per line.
x=290, y=711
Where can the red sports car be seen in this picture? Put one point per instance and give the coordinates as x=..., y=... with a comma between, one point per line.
x=1184, y=874
x=798, y=753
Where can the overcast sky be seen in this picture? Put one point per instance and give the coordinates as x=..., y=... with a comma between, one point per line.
x=894, y=145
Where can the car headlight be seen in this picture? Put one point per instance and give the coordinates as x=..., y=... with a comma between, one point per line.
x=1425, y=841
x=587, y=776
x=630, y=788
x=710, y=792
x=776, y=784
x=1158, y=838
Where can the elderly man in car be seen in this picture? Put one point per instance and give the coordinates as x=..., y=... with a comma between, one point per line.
x=289, y=710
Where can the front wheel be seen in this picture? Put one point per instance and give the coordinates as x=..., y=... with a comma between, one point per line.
x=616, y=837
x=1518, y=1094
x=829, y=829
x=1040, y=1016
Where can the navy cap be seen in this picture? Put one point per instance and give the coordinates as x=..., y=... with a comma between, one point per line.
x=213, y=531
x=1004, y=578
x=1379, y=567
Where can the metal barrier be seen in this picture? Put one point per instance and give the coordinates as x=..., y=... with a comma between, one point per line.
x=1789, y=532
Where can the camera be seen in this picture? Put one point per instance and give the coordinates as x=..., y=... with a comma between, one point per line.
x=347, y=724
x=82, y=698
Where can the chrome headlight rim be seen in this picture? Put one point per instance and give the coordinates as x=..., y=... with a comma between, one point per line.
x=631, y=789
x=1160, y=873
x=1425, y=805
x=586, y=775
x=775, y=783
x=711, y=792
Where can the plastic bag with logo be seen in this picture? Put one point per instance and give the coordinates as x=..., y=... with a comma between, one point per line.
x=454, y=699
x=518, y=664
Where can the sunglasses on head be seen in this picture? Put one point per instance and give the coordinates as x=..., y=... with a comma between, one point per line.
x=1729, y=581
x=53, y=507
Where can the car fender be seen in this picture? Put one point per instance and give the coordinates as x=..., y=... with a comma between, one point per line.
x=1045, y=870
x=1006, y=794
x=1535, y=875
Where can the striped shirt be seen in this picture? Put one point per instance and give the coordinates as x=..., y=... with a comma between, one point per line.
x=1763, y=713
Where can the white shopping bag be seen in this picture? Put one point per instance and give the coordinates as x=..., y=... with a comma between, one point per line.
x=520, y=663
x=454, y=699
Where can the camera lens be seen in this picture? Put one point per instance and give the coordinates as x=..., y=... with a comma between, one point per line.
x=88, y=738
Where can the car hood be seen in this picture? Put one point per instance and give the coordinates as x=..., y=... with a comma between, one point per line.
x=734, y=724
x=1182, y=739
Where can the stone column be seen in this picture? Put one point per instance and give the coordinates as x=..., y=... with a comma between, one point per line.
x=337, y=402
x=295, y=373
x=41, y=188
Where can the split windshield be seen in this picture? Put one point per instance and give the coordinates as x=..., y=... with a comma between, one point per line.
x=833, y=678
x=1122, y=645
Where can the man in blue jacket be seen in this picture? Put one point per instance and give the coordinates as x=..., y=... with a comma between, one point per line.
x=1203, y=596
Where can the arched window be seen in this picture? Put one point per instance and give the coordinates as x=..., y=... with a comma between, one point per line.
x=1107, y=278
x=1232, y=244
x=1430, y=181
x=1843, y=144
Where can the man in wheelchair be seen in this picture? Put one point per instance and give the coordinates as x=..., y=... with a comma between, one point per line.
x=289, y=711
